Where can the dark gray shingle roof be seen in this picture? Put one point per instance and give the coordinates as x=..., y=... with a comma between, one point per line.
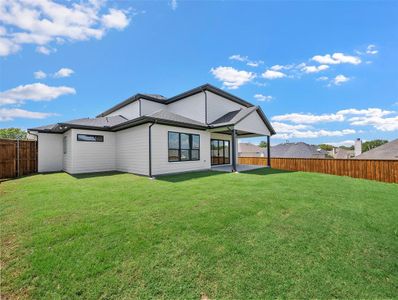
x=297, y=150
x=233, y=117
x=163, y=114
x=98, y=122
x=386, y=151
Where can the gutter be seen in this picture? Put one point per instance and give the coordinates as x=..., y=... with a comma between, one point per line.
x=204, y=91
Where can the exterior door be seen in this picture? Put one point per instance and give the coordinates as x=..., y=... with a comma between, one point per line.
x=220, y=152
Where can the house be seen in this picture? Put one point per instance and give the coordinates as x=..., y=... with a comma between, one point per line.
x=150, y=135
x=250, y=150
x=340, y=153
x=385, y=151
x=297, y=150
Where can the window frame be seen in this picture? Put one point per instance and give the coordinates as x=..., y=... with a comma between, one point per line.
x=190, y=149
x=94, y=135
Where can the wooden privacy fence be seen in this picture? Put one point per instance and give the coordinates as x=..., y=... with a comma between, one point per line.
x=17, y=158
x=381, y=170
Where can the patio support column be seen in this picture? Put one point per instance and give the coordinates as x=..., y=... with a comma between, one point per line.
x=268, y=152
x=233, y=150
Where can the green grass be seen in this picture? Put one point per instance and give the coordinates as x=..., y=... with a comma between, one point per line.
x=261, y=234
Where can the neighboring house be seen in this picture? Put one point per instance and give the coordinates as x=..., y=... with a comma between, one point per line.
x=250, y=150
x=297, y=150
x=340, y=153
x=150, y=135
x=385, y=151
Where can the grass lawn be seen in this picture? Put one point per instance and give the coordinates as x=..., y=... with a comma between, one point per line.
x=261, y=234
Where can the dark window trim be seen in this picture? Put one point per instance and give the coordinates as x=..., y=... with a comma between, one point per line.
x=179, y=147
x=229, y=152
x=95, y=135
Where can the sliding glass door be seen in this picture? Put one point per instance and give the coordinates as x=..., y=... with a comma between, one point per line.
x=220, y=152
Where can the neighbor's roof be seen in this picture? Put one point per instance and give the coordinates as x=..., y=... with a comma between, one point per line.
x=297, y=150
x=386, y=151
x=249, y=147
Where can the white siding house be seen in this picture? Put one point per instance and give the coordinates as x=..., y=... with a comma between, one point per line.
x=151, y=135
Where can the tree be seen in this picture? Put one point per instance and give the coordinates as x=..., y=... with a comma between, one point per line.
x=326, y=147
x=12, y=133
x=366, y=146
x=347, y=147
x=263, y=144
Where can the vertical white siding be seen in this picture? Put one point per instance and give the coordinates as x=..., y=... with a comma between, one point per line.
x=50, y=153
x=130, y=111
x=192, y=107
x=218, y=106
x=132, y=150
x=253, y=124
x=67, y=157
x=149, y=107
x=160, y=163
x=93, y=156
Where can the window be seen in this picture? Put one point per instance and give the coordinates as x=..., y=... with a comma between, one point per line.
x=90, y=138
x=183, y=146
x=65, y=145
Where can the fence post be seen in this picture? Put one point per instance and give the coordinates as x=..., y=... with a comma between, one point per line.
x=17, y=157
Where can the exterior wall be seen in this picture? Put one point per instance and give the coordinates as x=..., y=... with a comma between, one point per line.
x=130, y=111
x=218, y=106
x=50, y=152
x=67, y=157
x=192, y=107
x=149, y=107
x=92, y=156
x=132, y=146
x=160, y=163
x=253, y=124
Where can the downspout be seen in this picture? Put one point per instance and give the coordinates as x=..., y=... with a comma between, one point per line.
x=150, y=150
x=268, y=152
x=37, y=150
x=204, y=91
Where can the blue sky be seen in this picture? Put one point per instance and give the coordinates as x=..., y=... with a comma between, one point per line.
x=321, y=71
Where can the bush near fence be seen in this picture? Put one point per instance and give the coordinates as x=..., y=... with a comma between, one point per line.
x=381, y=170
x=17, y=158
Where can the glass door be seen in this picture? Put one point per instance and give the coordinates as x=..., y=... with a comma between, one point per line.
x=220, y=152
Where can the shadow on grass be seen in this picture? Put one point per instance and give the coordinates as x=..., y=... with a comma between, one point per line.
x=96, y=174
x=266, y=171
x=188, y=176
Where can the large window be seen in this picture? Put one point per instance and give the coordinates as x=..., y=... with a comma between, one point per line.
x=90, y=138
x=183, y=146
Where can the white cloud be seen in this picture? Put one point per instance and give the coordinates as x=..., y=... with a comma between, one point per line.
x=314, y=69
x=337, y=58
x=63, y=72
x=339, y=79
x=346, y=143
x=283, y=127
x=371, y=49
x=232, y=78
x=369, y=112
x=261, y=97
x=39, y=74
x=42, y=22
x=251, y=63
x=314, y=133
x=43, y=50
x=322, y=78
x=33, y=92
x=173, y=4
x=271, y=74
x=13, y=113
x=116, y=19
x=300, y=118
x=380, y=123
